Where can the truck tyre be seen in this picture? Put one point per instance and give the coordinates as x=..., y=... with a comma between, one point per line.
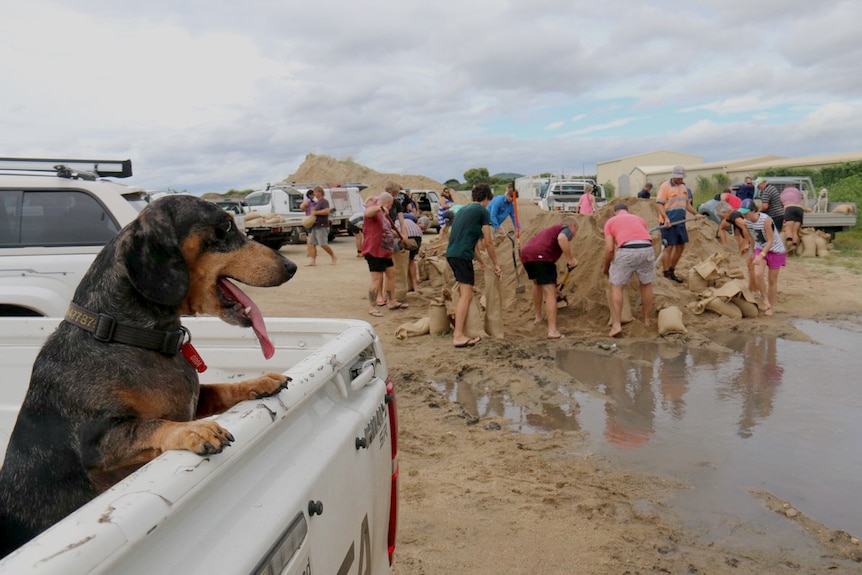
x=274, y=244
x=295, y=236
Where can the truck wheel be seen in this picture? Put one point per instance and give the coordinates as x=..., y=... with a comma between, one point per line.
x=276, y=245
x=295, y=237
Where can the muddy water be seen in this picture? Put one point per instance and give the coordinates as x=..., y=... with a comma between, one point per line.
x=754, y=412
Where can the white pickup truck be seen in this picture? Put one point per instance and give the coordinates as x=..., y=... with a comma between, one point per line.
x=310, y=484
x=564, y=195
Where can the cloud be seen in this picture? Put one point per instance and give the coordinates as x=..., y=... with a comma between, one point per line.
x=219, y=95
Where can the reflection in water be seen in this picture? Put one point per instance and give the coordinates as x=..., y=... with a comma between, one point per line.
x=751, y=411
x=479, y=403
x=756, y=382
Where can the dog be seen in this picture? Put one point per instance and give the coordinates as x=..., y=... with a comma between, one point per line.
x=112, y=388
x=821, y=205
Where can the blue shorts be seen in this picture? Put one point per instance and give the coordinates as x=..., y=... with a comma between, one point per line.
x=675, y=235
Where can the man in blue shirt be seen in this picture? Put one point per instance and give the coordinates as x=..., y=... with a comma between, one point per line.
x=502, y=207
x=746, y=190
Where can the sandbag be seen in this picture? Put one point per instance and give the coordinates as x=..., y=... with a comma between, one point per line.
x=821, y=246
x=421, y=326
x=436, y=268
x=843, y=209
x=747, y=308
x=670, y=321
x=809, y=245
x=724, y=307
x=439, y=318
x=474, y=326
x=402, y=274
x=309, y=221
x=626, y=314
x=493, y=305
x=696, y=282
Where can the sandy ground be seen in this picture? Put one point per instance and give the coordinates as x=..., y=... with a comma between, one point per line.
x=479, y=498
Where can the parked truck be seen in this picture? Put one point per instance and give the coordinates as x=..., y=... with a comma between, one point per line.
x=564, y=195
x=280, y=216
x=309, y=486
x=837, y=217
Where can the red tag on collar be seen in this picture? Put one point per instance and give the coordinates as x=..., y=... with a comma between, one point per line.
x=192, y=356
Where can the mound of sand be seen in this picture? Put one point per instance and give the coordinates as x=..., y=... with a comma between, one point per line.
x=324, y=169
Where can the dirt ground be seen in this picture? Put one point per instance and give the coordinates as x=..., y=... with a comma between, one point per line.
x=480, y=498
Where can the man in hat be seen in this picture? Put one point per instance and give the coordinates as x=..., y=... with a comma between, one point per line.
x=628, y=250
x=673, y=204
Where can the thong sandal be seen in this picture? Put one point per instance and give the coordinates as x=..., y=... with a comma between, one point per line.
x=399, y=305
x=469, y=342
x=375, y=313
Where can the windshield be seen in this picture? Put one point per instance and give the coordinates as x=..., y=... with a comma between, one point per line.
x=258, y=199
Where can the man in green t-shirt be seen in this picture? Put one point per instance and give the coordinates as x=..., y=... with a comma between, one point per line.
x=472, y=224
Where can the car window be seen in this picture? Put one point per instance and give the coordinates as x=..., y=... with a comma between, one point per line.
x=258, y=199
x=54, y=218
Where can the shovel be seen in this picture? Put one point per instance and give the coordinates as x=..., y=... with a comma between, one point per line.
x=562, y=300
x=519, y=288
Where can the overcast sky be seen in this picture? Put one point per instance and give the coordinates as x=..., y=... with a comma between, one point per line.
x=209, y=95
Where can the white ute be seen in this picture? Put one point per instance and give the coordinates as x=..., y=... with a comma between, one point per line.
x=309, y=486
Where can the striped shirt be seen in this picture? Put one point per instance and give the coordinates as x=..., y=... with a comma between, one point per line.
x=758, y=233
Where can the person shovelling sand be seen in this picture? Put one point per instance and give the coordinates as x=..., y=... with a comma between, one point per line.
x=539, y=257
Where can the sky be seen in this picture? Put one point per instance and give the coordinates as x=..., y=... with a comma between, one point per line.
x=213, y=95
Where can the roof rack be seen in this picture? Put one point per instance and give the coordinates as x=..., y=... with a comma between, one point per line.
x=70, y=168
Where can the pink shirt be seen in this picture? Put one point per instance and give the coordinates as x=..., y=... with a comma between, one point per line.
x=625, y=227
x=586, y=204
x=791, y=196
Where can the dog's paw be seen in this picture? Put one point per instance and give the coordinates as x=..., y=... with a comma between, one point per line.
x=204, y=438
x=267, y=385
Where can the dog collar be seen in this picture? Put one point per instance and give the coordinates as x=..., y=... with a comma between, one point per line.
x=106, y=329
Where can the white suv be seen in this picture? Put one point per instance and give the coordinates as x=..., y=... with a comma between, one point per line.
x=55, y=216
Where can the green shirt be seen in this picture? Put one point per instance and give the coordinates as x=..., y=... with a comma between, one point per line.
x=467, y=230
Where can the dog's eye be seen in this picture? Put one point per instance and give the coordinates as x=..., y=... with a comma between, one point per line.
x=223, y=228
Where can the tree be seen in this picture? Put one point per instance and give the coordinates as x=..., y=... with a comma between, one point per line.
x=453, y=184
x=475, y=176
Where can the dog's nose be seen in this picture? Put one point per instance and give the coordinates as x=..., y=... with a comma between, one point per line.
x=289, y=268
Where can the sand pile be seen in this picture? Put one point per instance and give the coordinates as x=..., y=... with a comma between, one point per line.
x=324, y=169
x=587, y=309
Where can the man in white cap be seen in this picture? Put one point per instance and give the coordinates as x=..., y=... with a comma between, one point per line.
x=672, y=202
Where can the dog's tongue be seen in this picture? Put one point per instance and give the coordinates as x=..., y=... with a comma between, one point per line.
x=254, y=314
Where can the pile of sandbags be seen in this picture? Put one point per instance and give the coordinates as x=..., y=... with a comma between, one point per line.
x=714, y=271
x=733, y=300
x=813, y=243
x=254, y=219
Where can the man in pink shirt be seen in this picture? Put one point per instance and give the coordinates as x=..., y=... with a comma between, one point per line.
x=628, y=250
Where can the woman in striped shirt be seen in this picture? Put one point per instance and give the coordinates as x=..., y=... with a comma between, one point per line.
x=769, y=252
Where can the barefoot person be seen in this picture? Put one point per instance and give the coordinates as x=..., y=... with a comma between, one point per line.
x=472, y=224
x=628, y=250
x=769, y=253
x=539, y=257
x=319, y=234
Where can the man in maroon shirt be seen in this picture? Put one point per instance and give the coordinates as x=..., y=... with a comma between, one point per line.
x=539, y=257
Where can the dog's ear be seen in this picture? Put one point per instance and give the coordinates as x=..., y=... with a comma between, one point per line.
x=153, y=258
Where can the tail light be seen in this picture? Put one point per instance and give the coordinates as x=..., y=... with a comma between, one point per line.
x=393, y=504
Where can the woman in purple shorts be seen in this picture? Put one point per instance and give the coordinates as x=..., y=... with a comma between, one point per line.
x=769, y=253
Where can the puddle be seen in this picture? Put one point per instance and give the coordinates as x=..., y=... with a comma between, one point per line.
x=760, y=413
